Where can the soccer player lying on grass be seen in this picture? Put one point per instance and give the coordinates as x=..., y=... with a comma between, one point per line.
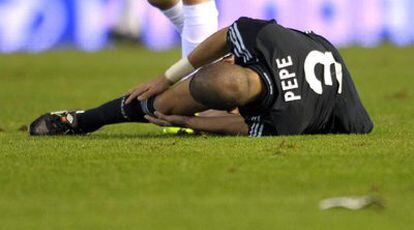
x=283, y=81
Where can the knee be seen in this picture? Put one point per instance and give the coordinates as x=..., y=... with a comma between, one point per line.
x=163, y=4
x=194, y=2
x=163, y=105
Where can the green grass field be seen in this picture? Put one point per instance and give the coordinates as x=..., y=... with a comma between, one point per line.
x=131, y=176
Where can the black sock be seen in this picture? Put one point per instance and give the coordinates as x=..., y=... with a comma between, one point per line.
x=113, y=112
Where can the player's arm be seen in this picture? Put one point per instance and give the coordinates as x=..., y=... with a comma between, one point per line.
x=213, y=48
x=231, y=124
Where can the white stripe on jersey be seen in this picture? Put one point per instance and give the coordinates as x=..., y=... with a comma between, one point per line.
x=269, y=82
x=260, y=130
x=239, y=46
x=238, y=42
x=241, y=40
x=256, y=129
x=253, y=127
x=251, y=130
x=237, y=50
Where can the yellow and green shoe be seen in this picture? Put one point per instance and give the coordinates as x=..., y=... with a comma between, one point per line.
x=178, y=131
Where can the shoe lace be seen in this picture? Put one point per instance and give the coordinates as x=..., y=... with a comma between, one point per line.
x=61, y=125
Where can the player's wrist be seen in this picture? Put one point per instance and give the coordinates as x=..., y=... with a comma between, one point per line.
x=179, y=70
x=166, y=80
x=188, y=122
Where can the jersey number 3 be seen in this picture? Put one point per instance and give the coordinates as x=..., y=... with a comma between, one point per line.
x=326, y=59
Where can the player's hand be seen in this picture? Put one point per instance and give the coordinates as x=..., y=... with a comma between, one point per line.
x=145, y=91
x=167, y=120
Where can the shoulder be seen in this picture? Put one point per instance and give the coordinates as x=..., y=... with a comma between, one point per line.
x=246, y=24
x=244, y=31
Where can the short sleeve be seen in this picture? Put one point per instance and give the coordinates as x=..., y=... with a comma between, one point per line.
x=260, y=126
x=241, y=39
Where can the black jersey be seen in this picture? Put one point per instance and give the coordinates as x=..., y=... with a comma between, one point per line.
x=307, y=87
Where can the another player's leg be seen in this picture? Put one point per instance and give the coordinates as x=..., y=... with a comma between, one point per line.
x=173, y=10
x=200, y=21
x=195, y=20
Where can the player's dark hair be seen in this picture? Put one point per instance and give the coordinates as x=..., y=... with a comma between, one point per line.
x=219, y=86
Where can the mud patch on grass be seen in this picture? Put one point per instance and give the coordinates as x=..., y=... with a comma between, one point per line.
x=23, y=128
x=284, y=147
x=401, y=95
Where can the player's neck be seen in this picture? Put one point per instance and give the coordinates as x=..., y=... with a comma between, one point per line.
x=255, y=84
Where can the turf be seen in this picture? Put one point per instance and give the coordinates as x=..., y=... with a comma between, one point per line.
x=131, y=176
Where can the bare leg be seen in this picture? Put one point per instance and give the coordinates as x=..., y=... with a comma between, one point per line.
x=178, y=100
x=200, y=21
x=194, y=2
x=163, y=4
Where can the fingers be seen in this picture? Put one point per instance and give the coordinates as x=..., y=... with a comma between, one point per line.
x=135, y=93
x=129, y=91
x=145, y=91
x=157, y=121
x=131, y=97
x=167, y=120
x=146, y=94
x=176, y=120
x=161, y=116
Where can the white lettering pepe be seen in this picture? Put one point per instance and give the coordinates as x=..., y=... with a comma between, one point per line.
x=288, y=80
